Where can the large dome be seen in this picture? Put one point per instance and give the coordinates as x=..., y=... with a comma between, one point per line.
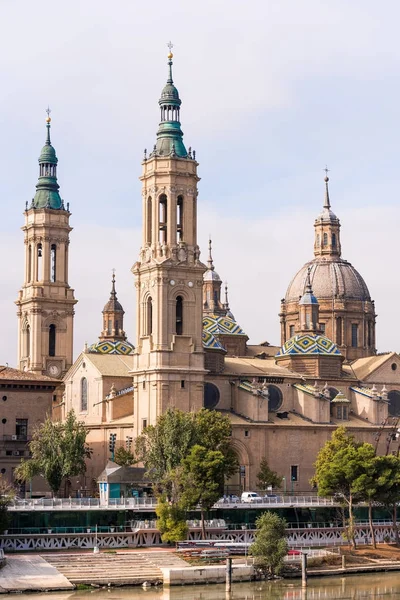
x=330, y=278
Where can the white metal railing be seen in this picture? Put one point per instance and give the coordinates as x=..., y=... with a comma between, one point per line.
x=150, y=503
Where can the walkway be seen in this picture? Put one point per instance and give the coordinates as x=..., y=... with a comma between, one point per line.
x=31, y=573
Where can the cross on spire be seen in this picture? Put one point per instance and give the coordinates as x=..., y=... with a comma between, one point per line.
x=170, y=46
x=48, y=111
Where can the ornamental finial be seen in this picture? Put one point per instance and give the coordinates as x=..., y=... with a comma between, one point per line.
x=48, y=111
x=327, y=203
x=170, y=46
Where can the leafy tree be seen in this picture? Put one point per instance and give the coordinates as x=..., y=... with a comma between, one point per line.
x=203, y=477
x=388, y=493
x=266, y=477
x=7, y=494
x=171, y=521
x=270, y=546
x=340, y=471
x=213, y=430
x=124, y=457
x=59, y=451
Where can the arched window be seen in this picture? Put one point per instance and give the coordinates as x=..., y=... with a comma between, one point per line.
x=325, y=239
x=354, y=335
x=317, y=241
x=27, y=348
x=162, y=216
x=29, y=263
x=84, y=387
x=53, y=256
x=275, y=398
x=179, y=219
x=116, y=328
x=211, y=396
x=39, y=262
x=52, y=340
x=179, y=315
x=109, y=327
x=369, y=334
x=394, y=403
x=333, y=240
x=149, y=317
x=339, y=331
x=149, y=220
x=291, y=331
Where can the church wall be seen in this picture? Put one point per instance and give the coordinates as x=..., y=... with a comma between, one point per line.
x=122, y=406
x=386, y=375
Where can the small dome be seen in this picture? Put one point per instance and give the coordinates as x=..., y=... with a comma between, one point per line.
x=327, y=215
x=45, y=198
x=169, y=93
x=48, y=155
x=309, y=344
x=211, y=343
x=211, y=275
x=221, y=325
x=330, y=279
x=113, y=306
x=112, y=347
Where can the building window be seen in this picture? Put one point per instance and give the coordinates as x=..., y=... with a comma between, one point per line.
x=325, y=239
x=144, y=423
x=333, y=240
x=182, y=384
x=84, y=387
x=369, y=334
x=109, y=326
x=116, y=328
x=21, y=429
x=27, y=341
x=53, y=257
x=149, y=220
x=291, y=331
x=29, y=263
x=345, y=413
x=162, y=226
x=294, y=473
x=322, y=327
x=179, y=315
x=179, y=219
x=275, y=398
x=317, y=242
x=211, y=396
x=246, y=433
x=394, y=403
x=52, y=340
x=149, y=317
x=394, y=366
x=339, y=412
x=354, y=335
x=339, y=331
x=39, y=271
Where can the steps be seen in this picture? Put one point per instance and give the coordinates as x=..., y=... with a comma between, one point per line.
x=122, y=568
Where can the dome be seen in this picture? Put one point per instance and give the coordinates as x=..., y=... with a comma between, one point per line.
x=113, y=306
x=215, y=325
x=309, y=344
x=210, y=342
x=170, y=93
x=48, y=155
x=211, y=275
x=112, y=347
x=330, y=279
x=45, y=198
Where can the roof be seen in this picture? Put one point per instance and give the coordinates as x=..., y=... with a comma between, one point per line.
x=112, y=347
x=363, y=367
x=368, y=392
x=256, y=367
x=111, y=365
x=309, y=344
x=330, y=277
x=296, y=420
x=221, y=325
x=117, y=473
x=16, y=374
x=210, y=342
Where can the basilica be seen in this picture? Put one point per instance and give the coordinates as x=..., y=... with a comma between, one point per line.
x=283, y=401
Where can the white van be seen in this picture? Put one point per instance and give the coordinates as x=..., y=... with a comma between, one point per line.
x=250, y=497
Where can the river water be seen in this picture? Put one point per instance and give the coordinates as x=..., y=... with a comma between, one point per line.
x=382, y=586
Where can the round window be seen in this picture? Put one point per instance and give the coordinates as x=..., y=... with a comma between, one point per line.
x=4, y=398
x=394, y=403
x=275, y=398
x=3, y=471
x=211, y=395
x=394, y=366
x=4, y=421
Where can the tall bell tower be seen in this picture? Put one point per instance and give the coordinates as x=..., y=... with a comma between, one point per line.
x=46, y=301
x=169, y=360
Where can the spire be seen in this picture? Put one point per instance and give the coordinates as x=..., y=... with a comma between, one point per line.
x=210, y=263
x=47, y=195
x=113, y=316
x=327, y=203
x=169, y=135
x=308, y=296
x=226, y=303
x=113, y=304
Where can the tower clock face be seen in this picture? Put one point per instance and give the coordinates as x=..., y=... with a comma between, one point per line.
x=54, y=370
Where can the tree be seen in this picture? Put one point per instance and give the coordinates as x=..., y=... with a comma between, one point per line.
x=171, y=521
x=213, y=431
x=266, y=477
x=270, y=546
x=340, y=471
x=124, y=457
x=7, y=494
x=59, y=451
x=203, y=477
x=388, y=493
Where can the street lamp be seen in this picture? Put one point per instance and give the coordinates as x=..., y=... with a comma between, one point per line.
x=244, y=527
x=284, y=484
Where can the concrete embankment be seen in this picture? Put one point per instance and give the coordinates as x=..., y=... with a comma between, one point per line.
x=32, y=573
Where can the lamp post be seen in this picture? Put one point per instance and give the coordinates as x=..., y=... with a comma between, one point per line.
x=244, y=527
x=284, y=484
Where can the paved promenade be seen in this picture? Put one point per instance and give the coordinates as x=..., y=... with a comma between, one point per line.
x=27, y=572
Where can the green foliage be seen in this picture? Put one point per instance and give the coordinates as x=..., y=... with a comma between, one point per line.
x=270, y=546
x=7, y=493
x=124, y=457
x=171, y=521
x=266, y=477
x=59, y=451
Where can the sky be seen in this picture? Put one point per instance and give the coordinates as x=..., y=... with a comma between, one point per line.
x=272, y=91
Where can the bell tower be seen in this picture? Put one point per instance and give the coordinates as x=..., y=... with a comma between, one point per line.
x=169, y=359
x=46, y=301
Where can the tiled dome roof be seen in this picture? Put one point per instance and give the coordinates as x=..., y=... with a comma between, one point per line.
x=112, y=347
x=309, y=343
x=330, y=278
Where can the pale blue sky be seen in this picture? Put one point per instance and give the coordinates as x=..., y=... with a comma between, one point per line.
x=271, y=91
